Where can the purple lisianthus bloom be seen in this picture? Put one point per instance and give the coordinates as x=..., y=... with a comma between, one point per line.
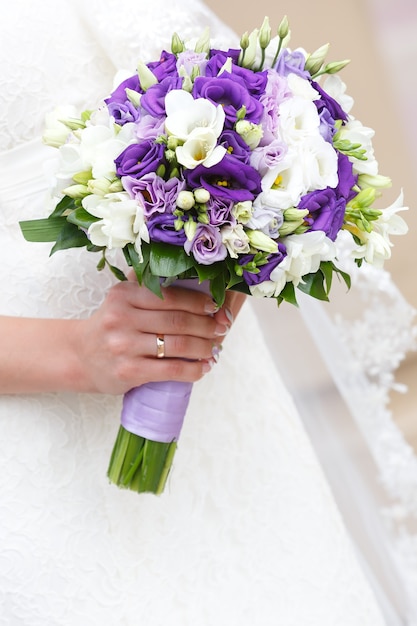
x=229, y=179
x=347, y=178
x=228, y=91
x=220, y=211
x=149, y=127
x=266, y=219
x=264, y=273
x=156, y=194
x=189, y=59
x=161, y=227
x=254, y=82
x=276, y=91
x=119, y=105
x=326, y=101
x=166, y=66
x=153, y=101
x=207, y=246
x=291, y=63
x=327, y=126
x=267, y=157
x=326, y=211
x=123, y=112
x=140, y=158
x=235, y=145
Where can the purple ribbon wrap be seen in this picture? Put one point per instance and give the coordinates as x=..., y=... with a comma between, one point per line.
x=156, y=410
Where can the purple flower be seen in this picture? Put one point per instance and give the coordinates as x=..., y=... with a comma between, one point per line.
x=326, y=101
x=276, y=91
x=166, y=66
x=264, y=273
x=119, y=105
x=220, y=211
x=229, y=179
x=207, y=246
x=149, y=127
x=291, y=63
x=161, y=227
x=235, y=145
x=157, y=195
x=267, y=157
x=254, y=82
x=326, y=211
x=228, y=91
x=153, y=101
x=190, y=59
x=123, y=112
x=139, y=158
x=327, y=125
x=347, y=179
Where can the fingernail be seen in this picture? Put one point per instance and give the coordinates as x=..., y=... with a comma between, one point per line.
x=216, y=352
x=221, y=330
x=211, y=307
x=229, y=315
x=207, y=365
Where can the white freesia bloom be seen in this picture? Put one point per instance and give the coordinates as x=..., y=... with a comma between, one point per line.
x=235, y=240
x=298, y=119
x=319, y=164
x=57, y=133
x=304, y=254
x=121, y=221
x=376, y=248
x=198, y=124
x=336, y=88
x=98, y=146
x=355, y=132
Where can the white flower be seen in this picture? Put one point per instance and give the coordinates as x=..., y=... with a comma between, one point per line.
x=304, y=254
x=235, y=240
x=56, y=132
x=298, y=119
x=376, y=247
x=355, y=132
x=98, y=146
x=250, y=133
x=302, y=88
x=198, y=124
x=121, y=221
x=336, y=88
x=267, y=289
x=243, y=211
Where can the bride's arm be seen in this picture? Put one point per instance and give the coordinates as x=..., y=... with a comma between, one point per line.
x=115, y=349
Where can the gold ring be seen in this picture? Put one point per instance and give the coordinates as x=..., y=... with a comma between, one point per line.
x=160, y=347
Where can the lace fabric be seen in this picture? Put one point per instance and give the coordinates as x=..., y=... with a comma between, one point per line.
x=248, y=531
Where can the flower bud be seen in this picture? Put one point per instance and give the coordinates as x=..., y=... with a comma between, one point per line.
x=315, y=60
x=133, y=96
x=201, y=195
x=377, y=180
x=248, y=57
x=146, y=77
x=265, y=34
x=250, y=133
x=227, y=67
x=203, y=43
x=82, y=177
x=177, y=44
x=185, y=200
x=259, y=240
x=190, y=228
x=283, y=28
x=244, y=41
x=242, y=211
x=99, y=186
x=333, y=68
x=295, y=215
x=76, y=191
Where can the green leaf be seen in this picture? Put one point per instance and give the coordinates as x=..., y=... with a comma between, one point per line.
x=166, y=260
x=288, y=294
x=47, y=229
x=152, y=282
x=64, y=206
x=70, y=237
x=80, y=217
x=313, y=285
x=120, y=275
x=209, y=272
x=132, y=258
x=327, y=268
x=218, y=289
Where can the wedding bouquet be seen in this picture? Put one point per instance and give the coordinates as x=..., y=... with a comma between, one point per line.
x=236, y=168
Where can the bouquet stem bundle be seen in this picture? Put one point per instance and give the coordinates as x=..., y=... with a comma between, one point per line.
x=140, y=464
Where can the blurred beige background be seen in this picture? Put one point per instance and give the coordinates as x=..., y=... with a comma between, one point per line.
x=379, y=37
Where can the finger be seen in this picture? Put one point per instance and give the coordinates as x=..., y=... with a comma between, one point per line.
x=173, y=298
x=180, y=346
x=177, y=369
x=176, y=322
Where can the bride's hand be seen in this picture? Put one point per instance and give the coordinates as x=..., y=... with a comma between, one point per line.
x=117, y=348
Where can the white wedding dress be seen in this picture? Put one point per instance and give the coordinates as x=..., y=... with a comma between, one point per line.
x=247, y=532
